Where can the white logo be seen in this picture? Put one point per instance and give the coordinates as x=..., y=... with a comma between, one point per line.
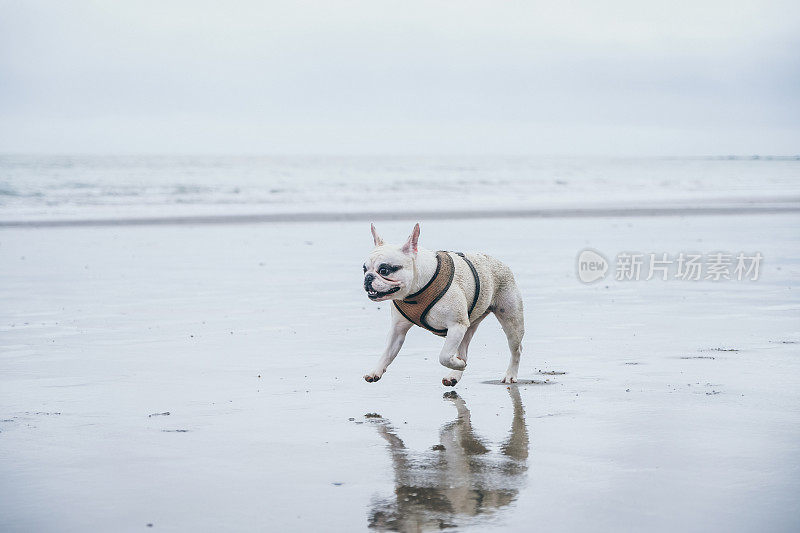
x=591, y=266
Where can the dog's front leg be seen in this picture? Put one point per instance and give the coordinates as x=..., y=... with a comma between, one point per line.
x=449, y=354
x=397, y=334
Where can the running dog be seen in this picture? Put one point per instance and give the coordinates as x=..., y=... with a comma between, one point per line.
x=447, y=293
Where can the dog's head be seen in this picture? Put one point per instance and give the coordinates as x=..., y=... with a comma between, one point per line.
x=389, y=269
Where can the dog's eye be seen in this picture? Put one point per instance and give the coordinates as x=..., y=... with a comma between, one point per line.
x=383, y=271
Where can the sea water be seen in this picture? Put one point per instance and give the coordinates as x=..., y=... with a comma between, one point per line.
x=69, y=187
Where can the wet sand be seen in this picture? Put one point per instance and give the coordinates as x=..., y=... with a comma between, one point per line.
x=712, y=206
x=208, y=377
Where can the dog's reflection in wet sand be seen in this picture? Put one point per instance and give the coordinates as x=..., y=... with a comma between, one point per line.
x=455, y=482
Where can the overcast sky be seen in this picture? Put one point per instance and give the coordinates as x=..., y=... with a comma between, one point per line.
x=400, y=77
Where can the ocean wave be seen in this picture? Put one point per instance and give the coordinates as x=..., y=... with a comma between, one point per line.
x=84, y=184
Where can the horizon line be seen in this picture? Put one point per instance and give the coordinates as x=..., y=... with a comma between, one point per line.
x=748, y=156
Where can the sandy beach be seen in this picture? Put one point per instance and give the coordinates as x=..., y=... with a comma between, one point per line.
x=209, y=377
x=186, y=193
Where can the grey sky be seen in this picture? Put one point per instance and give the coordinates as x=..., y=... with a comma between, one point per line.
x=378, y=77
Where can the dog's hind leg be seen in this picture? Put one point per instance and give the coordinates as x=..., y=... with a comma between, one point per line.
x=509, y=312
x=454, y=376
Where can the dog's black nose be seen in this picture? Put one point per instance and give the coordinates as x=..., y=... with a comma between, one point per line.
x=368, y=281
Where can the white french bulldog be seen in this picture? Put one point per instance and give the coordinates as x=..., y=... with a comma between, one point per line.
x=447, y=293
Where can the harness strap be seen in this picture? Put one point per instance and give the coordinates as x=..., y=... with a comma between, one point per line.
x=477, y=282
x=415, y=307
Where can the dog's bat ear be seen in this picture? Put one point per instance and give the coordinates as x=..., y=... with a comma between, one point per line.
x=375, y=237
x=410, y=247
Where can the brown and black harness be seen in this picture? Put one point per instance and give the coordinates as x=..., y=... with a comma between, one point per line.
x=415, y=307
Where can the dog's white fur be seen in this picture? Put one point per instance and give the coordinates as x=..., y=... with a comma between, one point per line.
x=498, y=294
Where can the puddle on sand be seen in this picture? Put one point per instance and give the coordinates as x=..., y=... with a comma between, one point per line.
x=519, y=382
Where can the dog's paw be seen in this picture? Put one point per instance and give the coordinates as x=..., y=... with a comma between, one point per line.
x=456, y=363
x=372, y=377
x=452, y=378
x=509, y=379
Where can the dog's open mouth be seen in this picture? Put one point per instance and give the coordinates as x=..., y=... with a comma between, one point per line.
x=374, y=295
